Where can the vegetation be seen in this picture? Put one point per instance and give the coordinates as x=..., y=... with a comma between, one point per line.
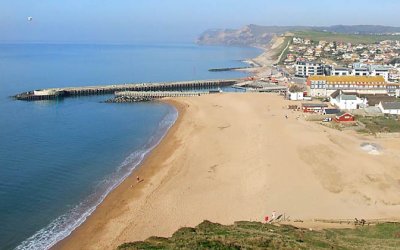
x=255, y=235
x=379, y=124
x=283, y=49
x=340, y=37
x=394, y=61
x=296, y=88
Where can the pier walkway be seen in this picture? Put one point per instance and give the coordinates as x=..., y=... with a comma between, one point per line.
x=54, y=93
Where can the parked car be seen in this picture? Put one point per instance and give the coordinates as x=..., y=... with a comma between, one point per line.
x=328, y=119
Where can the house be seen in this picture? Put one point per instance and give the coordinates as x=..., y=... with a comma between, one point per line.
x=374, y=100
x=296, y=96
x=313, y=107
x=392, y=108
x=347, y=101
x=346, y=117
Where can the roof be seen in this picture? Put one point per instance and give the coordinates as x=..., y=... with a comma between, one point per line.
x=314, y=105
x=376, y=99
x=341, y=69
x=355, y=79
x=344, y=114
x=378, y=68
x=336, y=93
x=332, y=111
x=391, y=105
x=348, y=97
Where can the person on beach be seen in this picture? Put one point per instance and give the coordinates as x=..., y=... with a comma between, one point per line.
x=137, y=179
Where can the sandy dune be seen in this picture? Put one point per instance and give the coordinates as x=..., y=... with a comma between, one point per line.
x=236, y=157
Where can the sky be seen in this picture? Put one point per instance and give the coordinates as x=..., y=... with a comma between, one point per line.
x=135, y=21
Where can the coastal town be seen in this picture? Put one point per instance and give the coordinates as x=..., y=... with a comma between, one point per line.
x=199, y=125
x=337, y=82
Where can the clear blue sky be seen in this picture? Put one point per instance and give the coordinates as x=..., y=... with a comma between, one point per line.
x=125, y=21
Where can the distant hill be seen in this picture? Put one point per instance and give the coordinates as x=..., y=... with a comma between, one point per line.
x=361, y=29
x=256, y=35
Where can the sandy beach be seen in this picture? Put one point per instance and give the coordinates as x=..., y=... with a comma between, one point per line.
x=232, y=157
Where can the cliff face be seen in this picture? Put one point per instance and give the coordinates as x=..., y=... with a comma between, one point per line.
x=255, y=35
x=246, y=36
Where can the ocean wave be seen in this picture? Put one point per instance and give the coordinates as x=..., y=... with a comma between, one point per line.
x=63, y=226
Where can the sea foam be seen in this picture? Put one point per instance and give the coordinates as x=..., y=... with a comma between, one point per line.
x=63, y=226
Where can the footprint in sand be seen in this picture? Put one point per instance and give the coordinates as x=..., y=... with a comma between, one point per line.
x=213, y=169
x=224, y=127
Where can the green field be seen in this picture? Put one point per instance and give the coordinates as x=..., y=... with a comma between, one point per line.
x=256, y=235
x=380, y=124
x=347, y=38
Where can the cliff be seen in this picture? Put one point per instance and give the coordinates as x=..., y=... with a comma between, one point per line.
x=256, y=35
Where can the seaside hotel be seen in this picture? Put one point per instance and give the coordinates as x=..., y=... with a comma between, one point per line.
x=324, y=86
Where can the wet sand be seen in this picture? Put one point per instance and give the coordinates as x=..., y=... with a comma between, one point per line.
x=233, y=157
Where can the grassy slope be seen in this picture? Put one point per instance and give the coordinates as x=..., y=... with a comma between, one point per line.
x=255, y=235
x=379, y=124
x=277, y=51
x=330, y=37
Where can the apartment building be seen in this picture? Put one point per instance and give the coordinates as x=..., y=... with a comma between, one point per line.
x=305, y=69
x=324, y=86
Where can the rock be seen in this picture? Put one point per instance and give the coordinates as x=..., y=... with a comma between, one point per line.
x=129, y=99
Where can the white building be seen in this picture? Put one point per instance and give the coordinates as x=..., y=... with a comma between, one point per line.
x=305, y=69
x=295, y=96
x=392, y=108
x=397, y=93
x=360, y=69
x=340, y=71
x=324, y=86
x=347, y=101
x=377, y=70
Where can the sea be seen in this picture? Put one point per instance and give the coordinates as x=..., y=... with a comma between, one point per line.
x=60, y=158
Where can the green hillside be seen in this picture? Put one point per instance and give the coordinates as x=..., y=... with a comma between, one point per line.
x=340, y=37
x=255, y=235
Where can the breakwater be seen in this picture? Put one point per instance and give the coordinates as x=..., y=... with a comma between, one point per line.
x=229, y=69
x=55, y=93
x=145, y=96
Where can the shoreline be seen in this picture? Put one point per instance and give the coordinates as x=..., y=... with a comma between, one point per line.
x=196, y=173
x=180, y=110
x=64, y=243
x=140, y=170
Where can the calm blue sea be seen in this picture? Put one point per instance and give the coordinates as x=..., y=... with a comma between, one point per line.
x=58, y=159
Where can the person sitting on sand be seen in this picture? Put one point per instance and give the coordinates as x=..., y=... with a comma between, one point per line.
x=137, y=179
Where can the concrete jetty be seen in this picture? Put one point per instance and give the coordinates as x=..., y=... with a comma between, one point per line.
x=54, y=93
